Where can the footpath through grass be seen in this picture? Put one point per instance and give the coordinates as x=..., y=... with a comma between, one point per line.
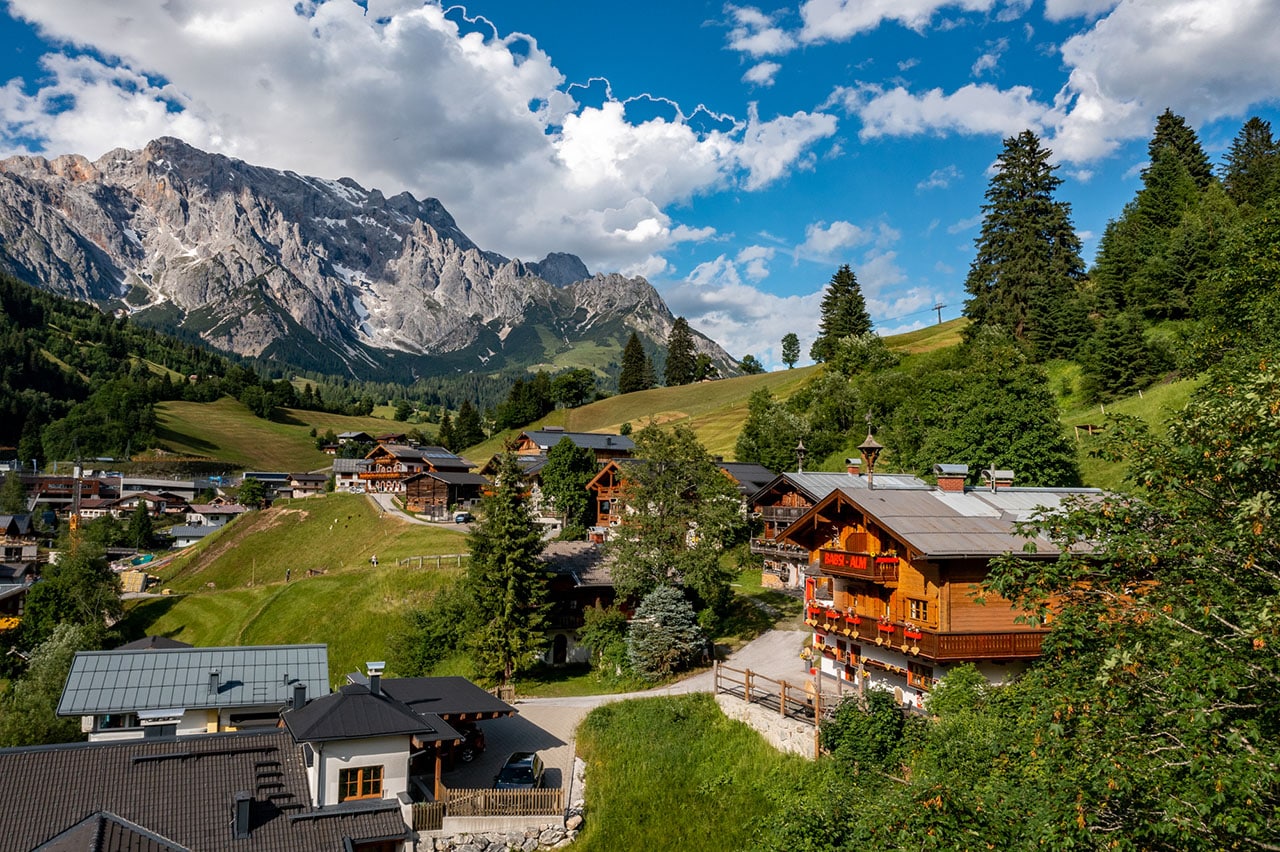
x=673, y=772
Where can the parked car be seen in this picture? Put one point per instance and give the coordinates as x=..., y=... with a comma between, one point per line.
x=522, y=771
x=463, y=518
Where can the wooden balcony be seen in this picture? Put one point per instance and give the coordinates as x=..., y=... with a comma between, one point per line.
x=779, y=549
x=927, y=644
x=786, y=515
x=381, y=474
x=859, y=566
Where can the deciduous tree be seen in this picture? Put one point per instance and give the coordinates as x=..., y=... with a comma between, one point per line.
x=564, y=482
x=790, y=349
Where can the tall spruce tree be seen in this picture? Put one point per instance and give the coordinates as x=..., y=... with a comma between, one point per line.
x=844, y=313
x=1251, y=166
x=637, y=372
x=1172, y=131
x=506, y=576
x=467, y=429
x=682, y=363
x=1025, y=274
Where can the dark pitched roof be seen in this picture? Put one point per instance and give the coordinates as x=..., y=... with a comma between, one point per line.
x=15, y=525
x=124, y=680
x=105, y=832
x=452, y=477
x=179, y=789
x=446, y=697
x=152, y=643
x=548, y=438
x=749, y=476
x=353, y=712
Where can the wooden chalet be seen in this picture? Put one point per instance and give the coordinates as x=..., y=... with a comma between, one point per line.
x=606, y=489
x=606, y=446
x=784, y=499
x=390, y=465
x=580, y=578
x=893, y=573
x=436, y=493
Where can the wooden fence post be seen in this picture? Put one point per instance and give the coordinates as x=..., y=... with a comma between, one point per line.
x=746, y=686
x=782, y=698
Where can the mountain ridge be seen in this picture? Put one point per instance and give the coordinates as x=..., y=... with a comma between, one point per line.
x=318, y=273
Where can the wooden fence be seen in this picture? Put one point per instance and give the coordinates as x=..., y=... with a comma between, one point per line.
x=429, y=816
x=805, y=701
x=437, y=561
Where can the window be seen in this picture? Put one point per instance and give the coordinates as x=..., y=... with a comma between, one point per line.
x=919, y=610
x=919, y=675
x=363, y=782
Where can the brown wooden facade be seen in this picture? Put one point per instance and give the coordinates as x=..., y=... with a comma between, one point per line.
x=606, y=489
x=887, y=614
x=779, y=506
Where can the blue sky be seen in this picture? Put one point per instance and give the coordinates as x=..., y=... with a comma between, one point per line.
x=733, y=154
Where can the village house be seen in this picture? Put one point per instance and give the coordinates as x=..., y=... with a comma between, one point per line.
x=893, y=572
x=216, y=514
x=580, y=579
x=606, y=446
x=606, y=488
x=332, y=772
x=130, y=694
x=788, y=496
x=307, y=484
x=390, y=465
x=438, y=493
x=346, y=475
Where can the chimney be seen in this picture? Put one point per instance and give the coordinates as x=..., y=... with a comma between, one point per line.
x=951, y=477
x=213, y=681
x=853, y=467
x=241, y=802
x=997, y=479
x=299, y=695
x=374, y=671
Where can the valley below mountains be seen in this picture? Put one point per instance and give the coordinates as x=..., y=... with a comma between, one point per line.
x=309, y=272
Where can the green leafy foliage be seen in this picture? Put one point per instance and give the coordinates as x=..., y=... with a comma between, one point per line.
x=13, y=495
x=604, y=635
x=140, y=527
x=79, y=589
x=664, y=637
x=28, y=709
x=750, y=365
x=429, y=634
x=564, y=482
x=790, y=349
x=680, y=512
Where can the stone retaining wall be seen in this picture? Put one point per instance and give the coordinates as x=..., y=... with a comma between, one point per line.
x=786, y=735
x=555, y=835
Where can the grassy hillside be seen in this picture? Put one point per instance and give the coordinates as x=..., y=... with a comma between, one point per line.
x=714, y=410
x=227, y=430
x=929, y=338
x=232, y=591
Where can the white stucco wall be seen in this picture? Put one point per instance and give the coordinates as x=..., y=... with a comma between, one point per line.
x=391, y=753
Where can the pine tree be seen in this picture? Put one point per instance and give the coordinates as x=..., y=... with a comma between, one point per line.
x=664, y=637
x=1251, y=164
x=790, y=349
x=844, y=313
x=1025, y=274
x=681, y=368
x=507, y=576
x=467, y=429
x=1172, y=131
x=140, y=527
x=446, y=438
x=635, y=367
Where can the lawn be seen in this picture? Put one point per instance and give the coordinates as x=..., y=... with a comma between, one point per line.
x=228, y=431
x=673, y=772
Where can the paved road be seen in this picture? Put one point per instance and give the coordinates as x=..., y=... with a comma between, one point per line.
x=549, y=725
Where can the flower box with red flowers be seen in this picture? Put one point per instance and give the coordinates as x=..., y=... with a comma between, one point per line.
x=913, y=634
x=853, y=618
x=832, y=615
x=886, y=628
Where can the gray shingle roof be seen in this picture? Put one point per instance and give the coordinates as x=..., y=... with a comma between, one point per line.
x=350, y=465
x=446, y=697
x=123, y=681
x=546, y=439
x=353, y=712
x=181, y=790
x=106, y=832
x=749, y=476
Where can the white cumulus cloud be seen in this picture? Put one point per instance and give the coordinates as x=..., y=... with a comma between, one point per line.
x=838, y=20
x=755, y=33
x=762, y=73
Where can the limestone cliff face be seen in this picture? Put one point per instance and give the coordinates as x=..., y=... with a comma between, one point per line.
x=257, y=261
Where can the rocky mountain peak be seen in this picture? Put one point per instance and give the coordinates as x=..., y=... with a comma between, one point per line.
x=322, y=273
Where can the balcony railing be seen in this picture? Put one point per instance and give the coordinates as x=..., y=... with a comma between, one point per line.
x=780, y=549
x=860, y=566
x=924, y=643
x=782, y=514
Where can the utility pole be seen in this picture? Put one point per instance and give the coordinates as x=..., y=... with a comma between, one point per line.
x=938, y=307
